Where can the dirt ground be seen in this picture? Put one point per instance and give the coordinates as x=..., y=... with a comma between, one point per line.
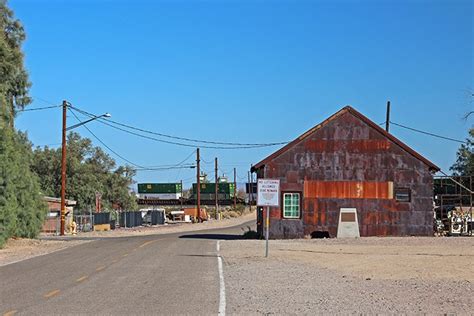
x=22, y=249
x=171, y=228
x=368, y=275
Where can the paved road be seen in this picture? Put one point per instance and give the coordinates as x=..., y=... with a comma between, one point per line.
x=161, y=274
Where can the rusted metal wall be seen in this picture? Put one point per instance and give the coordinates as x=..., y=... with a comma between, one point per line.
x=347, y=163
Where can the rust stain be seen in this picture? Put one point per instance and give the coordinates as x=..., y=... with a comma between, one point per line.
x=362, y=145
x=347, y=189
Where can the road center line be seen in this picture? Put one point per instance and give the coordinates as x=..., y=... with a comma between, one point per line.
x=10, y=313
x=146, y=243
x=100, y=268
x=52, y=293
x=82, y=279
x=221, y=281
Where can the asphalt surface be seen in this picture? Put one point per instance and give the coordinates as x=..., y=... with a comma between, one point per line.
x=172, y=274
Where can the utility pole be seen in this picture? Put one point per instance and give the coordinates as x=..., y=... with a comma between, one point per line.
x=198, y=200
x=387, y=123
x=217, y=189
x=63, y=172
x=181, y=198
x=97, y=203
x=250, y=191
x=235, y=189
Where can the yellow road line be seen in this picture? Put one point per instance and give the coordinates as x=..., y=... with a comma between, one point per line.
x=52, y=293
x=82, y=279
x=146, y=243
x=10, y=313
x=125, y=254
x=114, y=261
x=100, y=268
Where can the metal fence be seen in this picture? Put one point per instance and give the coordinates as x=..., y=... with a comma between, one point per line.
x=84, y=223
x=134, y=219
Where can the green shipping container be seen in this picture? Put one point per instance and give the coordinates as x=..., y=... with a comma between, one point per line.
x=226, y=188
x=159, y=188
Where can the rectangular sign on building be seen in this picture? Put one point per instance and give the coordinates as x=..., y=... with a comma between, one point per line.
x=268, y=192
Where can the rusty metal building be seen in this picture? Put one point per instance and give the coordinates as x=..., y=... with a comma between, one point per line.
x=348, y=161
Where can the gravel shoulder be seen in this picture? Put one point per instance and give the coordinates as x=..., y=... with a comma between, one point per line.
x=21, y=249
x=368, y=276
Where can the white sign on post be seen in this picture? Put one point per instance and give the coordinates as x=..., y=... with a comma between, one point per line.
x=268, y=192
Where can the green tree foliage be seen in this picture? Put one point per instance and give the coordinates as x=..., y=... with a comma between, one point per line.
x=14, y=84
x=21, y=207
x=464, y=165
x=89, y=170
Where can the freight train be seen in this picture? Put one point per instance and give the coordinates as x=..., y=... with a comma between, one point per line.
x=172, y=194
x=225, y=191
x=160, y=191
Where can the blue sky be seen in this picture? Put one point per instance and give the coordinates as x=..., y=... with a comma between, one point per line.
x=247, y=71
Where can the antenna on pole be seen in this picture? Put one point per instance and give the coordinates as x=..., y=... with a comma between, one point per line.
x=387, y=122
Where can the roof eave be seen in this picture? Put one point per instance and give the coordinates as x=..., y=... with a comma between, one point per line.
x=348, y=108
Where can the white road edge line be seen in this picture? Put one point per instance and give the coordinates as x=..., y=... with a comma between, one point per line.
x=221, y=281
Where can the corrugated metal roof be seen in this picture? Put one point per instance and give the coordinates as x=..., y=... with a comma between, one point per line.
x=351, y=110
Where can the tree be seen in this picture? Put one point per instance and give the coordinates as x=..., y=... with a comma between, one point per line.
x=21, y=207
x=464, y=165
x=89, y=170
x=15, y=83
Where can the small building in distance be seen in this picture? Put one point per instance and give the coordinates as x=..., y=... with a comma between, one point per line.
x=348, y=161
x=52, y=220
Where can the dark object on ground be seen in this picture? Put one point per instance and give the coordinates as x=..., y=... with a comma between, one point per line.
x=250, y=234
x=320, y=235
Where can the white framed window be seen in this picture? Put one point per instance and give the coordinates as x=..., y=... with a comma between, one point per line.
x=291, y=205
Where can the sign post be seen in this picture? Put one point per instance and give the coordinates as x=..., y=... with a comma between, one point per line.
x=268, y=195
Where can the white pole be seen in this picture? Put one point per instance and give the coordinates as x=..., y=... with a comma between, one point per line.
x=267, y=231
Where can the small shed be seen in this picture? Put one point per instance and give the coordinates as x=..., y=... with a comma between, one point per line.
x=349, y=162
x=52, y=221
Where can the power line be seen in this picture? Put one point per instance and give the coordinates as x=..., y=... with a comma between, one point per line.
x=105, y=145
x=166, y=168
x=136, y=134
x=242, y=145
x=206, y=162
x=186, y=159
x=43, y=100
x=428, y=133
x=180, y=165
x=171, y=142
x=40, y=109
